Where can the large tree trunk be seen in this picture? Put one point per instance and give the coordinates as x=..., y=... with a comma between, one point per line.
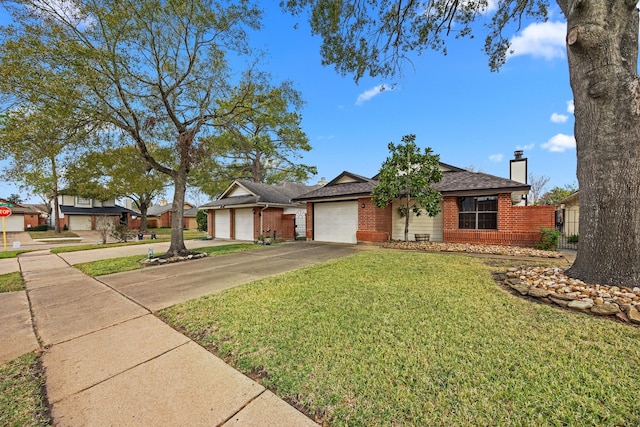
x=602, y=45
x=177, y=247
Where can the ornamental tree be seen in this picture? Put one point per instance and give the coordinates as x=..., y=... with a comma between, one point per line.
x=409, y=173
x=372, y=37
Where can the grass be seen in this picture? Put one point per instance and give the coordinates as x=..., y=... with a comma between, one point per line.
x=21, y=393
x=11, y=282
x=51, y=234
x=12, y=254
x=399, y=338
x=117, y=265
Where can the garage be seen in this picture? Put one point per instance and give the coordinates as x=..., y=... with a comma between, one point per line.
x=335, y=221
x=243, y=224
x=79, y=222
x=14, y=222
x=222, y=224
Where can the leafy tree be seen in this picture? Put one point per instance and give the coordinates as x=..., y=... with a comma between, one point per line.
x=602, y=49
x=262, y=145
x=152, y=70
x=538, y=184
x=15, y=199
x=39, y=143
x=409, y=173
x=119, y=172
x=556, y=194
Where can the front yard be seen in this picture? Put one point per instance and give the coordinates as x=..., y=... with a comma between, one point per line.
x=398, y=338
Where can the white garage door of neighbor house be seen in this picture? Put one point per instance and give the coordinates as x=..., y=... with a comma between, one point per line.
x=335, y=222
x=243, y=224
x=14, y=223
x=79, y=222
x=222, y=224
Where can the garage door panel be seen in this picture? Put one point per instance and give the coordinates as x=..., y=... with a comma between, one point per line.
x=14, y=223
x=79, y=222
x=243, y=221
x=336, y=222
x=222, y=224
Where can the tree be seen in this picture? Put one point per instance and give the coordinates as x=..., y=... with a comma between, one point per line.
x=151, y=70
x=39, y=143
x=261, y=146
x=409, y=174
x=556, y=194
x=15, y=199
x=538, y=184
x=602, y=46
x=119, y=172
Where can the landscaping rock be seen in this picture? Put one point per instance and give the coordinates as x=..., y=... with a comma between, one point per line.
x=582, y=305
x=560, y=302
x=605, y=309
x=539, y=293
x=634, y=315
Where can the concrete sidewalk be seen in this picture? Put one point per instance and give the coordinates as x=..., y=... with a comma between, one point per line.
x=109, y=361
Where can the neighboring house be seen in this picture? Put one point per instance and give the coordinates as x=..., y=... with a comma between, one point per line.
x=476, y=208
x=568, y=215
x=24, y=216
x=80, y=213
x=160, y=215
x=190, y=218
x=248, y=209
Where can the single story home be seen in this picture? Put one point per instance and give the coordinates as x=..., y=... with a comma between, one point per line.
x=476, y=208
x=160, y=215
x=24, y=216
x=81, y=213
x=246, y=210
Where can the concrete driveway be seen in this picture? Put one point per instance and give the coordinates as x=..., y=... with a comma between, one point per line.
x=159, y=287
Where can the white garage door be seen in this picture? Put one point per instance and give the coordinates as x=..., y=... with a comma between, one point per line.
x=79, y=222
x=14, y=223
x=244, y=224
x=335, y=222
x=222, y=224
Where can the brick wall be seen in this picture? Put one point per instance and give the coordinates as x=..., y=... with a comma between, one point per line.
x=517, y=225
x=31, y=220
x=309, y=219
x=374, y=223
x=276, y=224
x=211, y=231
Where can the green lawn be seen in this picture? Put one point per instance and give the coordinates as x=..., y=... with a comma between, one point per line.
x=13, y=253
x=117, y=265
x=11, y=282
x=21, y=393
x=399, y=338
x=51, y=234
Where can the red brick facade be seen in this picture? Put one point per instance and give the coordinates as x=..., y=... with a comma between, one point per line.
x=374, y=224
x=275, y=223
x=517, y=225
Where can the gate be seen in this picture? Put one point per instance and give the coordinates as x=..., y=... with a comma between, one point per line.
x=567, y=221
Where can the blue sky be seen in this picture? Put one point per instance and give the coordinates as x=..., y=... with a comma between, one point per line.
x=454, y=104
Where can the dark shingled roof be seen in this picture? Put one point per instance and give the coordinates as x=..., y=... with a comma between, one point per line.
x=278, y=194
x=102, y=210
x=454, y=182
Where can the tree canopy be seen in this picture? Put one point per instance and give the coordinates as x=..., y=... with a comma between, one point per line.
x=409, y=173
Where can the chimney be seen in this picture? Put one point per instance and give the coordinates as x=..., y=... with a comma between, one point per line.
x=322, y=182
x=518, y=167
x=163, y=202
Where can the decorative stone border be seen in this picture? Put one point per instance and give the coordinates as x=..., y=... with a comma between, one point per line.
x=159, y=261
x=551, y=285
x=469, y=248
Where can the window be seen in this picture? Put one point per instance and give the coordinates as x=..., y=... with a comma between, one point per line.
x=83, y=201
x=478, y=213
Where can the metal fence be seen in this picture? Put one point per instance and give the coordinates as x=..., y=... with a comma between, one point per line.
x=567, y=224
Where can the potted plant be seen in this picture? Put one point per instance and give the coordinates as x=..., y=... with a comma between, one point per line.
x=260, y=239
x=267, y=239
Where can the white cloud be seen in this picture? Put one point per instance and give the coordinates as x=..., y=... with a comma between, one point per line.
x=570, y=107
x=496, y=157
x=326, y=136
x=541, y=40
x=559, y=118
x=64, y=10
x=525, y=147
x=560, y=143
x=375, y=91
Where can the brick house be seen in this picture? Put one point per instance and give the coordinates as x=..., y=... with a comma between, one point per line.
x=160, y=215
x=24, y=216
x=476, y=208
x=248, y=209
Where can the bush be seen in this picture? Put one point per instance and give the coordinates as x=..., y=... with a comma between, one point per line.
x=122, y=233
x=201, y=219
x=573, y=238
x=549, y=240
x=41, y=227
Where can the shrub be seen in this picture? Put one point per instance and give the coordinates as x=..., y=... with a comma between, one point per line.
x=573, y=238
x=549, y=240
x=122, y=233
x=41, y=227
x=201, y=219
